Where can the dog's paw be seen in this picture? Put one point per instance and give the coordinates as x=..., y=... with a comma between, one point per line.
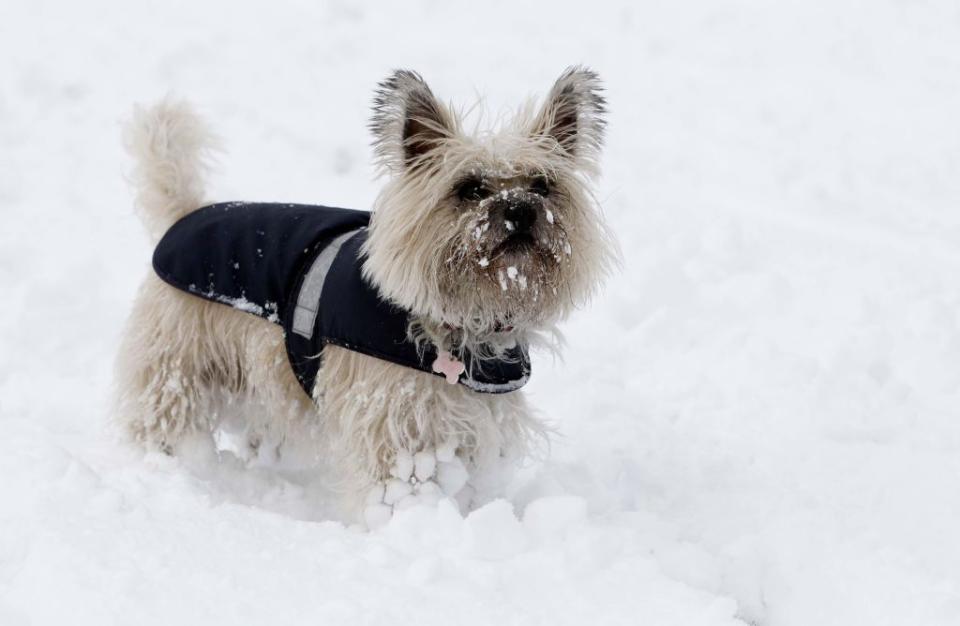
x=437, y=466
x=438, y=469
x=425, y=477
x=394, y=494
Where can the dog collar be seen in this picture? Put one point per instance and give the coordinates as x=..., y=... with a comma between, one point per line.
x=300, y=266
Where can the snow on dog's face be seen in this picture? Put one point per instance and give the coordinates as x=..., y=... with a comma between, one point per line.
x=492, y=230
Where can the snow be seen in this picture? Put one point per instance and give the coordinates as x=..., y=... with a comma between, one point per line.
x=425, y=463
x=452, y=476
x=403, y=466
x=268, y=311
x=757, y=419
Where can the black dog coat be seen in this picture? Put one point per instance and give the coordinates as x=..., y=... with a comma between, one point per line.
x=299, y=266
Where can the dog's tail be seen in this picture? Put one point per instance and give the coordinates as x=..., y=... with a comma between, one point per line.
x=172, y=150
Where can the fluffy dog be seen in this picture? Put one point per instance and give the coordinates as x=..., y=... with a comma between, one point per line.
x=485, y=240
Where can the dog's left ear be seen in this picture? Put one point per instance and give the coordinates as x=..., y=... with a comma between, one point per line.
x=573, y=114
x=408, y=122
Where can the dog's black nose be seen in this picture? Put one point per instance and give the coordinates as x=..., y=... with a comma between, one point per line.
x=520, y=216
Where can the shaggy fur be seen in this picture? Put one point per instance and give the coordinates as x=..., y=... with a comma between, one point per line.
x=486, y=238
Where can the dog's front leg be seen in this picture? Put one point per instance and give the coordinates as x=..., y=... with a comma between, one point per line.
x=417, y=454
x=389, y=432
x=400, y=436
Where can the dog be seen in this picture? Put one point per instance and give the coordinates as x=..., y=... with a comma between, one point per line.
x=478, y=245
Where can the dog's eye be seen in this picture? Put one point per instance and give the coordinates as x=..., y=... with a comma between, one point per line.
x=540, y=186
x=472, y=189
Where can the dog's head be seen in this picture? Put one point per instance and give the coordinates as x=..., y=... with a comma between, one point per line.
x=488, y=231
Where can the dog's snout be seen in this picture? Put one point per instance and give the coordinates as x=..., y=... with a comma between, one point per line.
x=520, y=216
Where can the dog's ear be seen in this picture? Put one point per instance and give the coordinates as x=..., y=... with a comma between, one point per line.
x=573, y=114
x=408, y=122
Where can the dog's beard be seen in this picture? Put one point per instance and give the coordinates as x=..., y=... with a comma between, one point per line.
x=494, y=279
x=521, y=269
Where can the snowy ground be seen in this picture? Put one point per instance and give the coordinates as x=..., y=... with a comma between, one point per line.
x=759, y=420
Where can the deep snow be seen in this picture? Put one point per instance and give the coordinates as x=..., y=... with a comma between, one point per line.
x=759, y=420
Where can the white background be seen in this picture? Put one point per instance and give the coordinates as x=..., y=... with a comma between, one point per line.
x=758, y=421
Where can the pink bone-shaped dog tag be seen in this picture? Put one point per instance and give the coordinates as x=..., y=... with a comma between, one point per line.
x=448, y=366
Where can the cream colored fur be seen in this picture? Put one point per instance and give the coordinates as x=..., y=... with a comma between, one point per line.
x=185, y=363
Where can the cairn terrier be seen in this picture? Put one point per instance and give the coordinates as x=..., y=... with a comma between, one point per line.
x=400, y=337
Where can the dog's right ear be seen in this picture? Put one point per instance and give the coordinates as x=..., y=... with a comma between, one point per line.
x=408, y=122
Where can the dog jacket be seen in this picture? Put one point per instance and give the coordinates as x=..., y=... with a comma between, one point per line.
x=299, y=266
